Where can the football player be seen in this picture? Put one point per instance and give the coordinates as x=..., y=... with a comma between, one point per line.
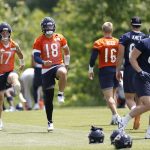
x=106, y=48
x=47, y=50
x=126, y=44
x=140, y=61
x=8, y=49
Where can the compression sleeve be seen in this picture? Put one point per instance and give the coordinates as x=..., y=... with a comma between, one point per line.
x=37, y=58
x=93, y=58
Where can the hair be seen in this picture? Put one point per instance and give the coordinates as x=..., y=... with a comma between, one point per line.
x=107, y=27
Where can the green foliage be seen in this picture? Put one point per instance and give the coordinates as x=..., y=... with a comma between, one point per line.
x=80, y=22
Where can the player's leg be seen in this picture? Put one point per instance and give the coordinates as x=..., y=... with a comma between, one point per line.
x=37, y=82
x=147, y=136
x=129, y=89
x=48, y=84
x=108, y=84
x=138, y=110
x=48, y=101
x=13, y=79
x=109, y=97
x=1, y=108
x=9, y=94
x=61, y=74
x=3, y=80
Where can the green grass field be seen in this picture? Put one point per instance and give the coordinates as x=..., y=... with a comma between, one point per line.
x=27, y=130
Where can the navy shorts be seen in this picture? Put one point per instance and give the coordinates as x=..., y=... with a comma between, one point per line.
x=3, y=81
x=142, y=88
x=48, y=78
x=37, y=80
x=107, y=78
x=128, y=77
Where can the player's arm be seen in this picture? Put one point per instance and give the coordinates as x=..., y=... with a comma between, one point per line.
x=119, y=61
x=37, y=58
x=20, y=55
x=93, y=58
x=133, y=59
x=66, y=55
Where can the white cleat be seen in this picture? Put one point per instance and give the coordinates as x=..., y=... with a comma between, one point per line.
x=36, y=106
x=1, y=125
x=11, y=109
x=50, y=127
x=121, y=124
x=61, y=98
x=147, y=136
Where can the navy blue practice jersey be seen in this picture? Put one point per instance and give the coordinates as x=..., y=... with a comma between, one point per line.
x=144, y=59
x=128, y=40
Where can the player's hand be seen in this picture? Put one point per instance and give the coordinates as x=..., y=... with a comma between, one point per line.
x=91, y=75
x=145, y=76
x=47, y=63
x=118, y=75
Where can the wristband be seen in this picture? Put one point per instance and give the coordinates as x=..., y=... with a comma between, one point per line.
x=90, y=69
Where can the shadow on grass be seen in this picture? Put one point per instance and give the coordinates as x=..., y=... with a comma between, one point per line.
x=29, y=132
x=91, y=125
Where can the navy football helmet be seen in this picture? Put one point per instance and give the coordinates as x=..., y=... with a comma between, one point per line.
x=48, y=26
x=122, y=140
x=113, y=135
x=4, y=26
x=136, y=21
x=96, y=135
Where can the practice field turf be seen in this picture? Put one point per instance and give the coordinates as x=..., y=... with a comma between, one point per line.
x=27, y=130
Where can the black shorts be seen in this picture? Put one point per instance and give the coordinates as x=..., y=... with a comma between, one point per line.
x=142, y=88
x=128, y=77
x=48, y=78
x=107, y=78
x=3, y=81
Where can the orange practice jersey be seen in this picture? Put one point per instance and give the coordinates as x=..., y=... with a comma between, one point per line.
x=7, y=57
x=50, y=48
x=108, y=50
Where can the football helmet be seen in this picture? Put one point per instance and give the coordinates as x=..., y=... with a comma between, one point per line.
x=122, y=140
x=136, y=21
x=113, y=135
x=48, y=26
x=96, y=135
x=4, y=26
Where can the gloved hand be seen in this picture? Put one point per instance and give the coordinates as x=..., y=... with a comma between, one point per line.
x=145, y=76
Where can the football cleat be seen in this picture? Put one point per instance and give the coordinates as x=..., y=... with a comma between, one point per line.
x=60, y=98
x=11, y=109
x=136, y=124
x=147, y=136
x=50, y=127
x=121, y=124
x=1, y=125
x=36, y=106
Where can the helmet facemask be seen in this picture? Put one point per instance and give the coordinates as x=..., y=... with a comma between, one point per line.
x=5, y=35
x=48, y=26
